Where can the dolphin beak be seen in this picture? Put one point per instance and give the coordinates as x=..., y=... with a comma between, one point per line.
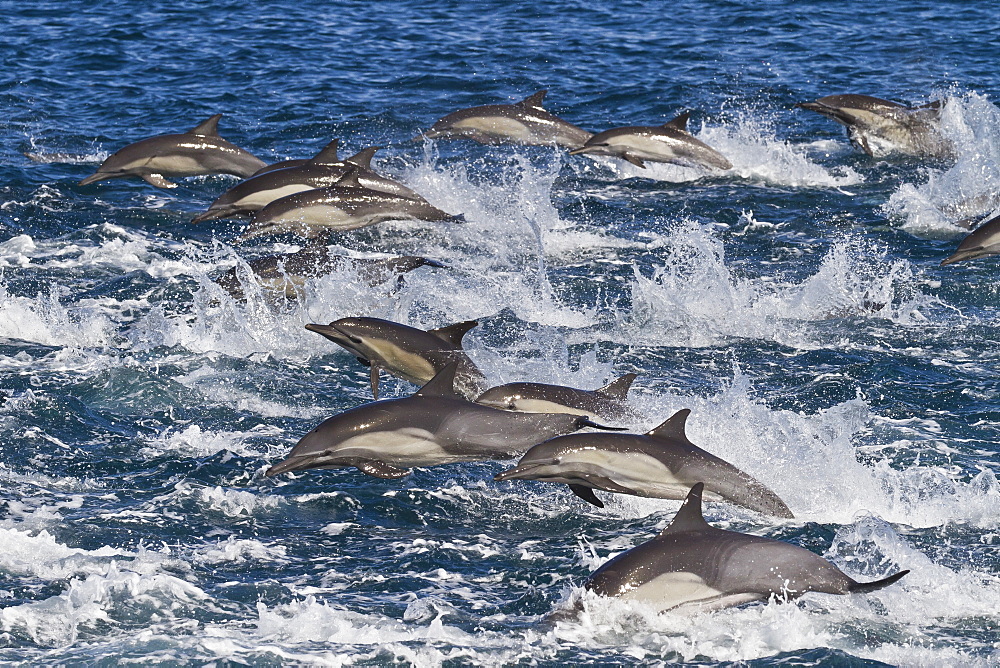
x=522, y=471
x=93, y=178
x=578, y=151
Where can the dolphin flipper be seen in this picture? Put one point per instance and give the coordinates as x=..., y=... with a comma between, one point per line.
x=633, y=159
x=373, y=374
x=158, y=180
x=607, y=484
x=379, y=469
x=587, y=494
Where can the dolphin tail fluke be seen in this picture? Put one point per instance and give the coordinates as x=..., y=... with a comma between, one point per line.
x=866, y=587
x=457, y=218
x=587, y=494
x=425, y=262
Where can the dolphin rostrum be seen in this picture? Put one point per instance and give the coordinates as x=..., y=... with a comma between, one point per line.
x=287, y=274
x=694, y=566
x=670, y=142
x=524, y=122
x=434, y=426
x=880, y=127
x=325, y=169
x=199, y=151
x=607, y=403
x=406, y=352
x=662, y=464
x=983, y=242
x=347, y=205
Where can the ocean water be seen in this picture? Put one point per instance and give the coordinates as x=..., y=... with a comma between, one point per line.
x=795, y=304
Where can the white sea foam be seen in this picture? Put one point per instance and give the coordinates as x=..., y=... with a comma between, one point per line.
x=193, y=441
x=45, y=320
x=696, y=299
x=954, y=198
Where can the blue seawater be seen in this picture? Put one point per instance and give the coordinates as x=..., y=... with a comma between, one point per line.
x=795, y=303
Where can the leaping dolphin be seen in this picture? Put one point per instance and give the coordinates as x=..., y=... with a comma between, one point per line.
x=881, y=127
x=670, y=142
x=287, y=274
x=434, y=426
x=662, y=464
x=406, y=352
x=347, y=205
x=198, y=151
x=524, y=122
x=695, y=567
x=607, y=403
x=323, y=170
x=983, y=242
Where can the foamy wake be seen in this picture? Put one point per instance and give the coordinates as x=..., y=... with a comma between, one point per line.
x=956, y=198
x=695, y=299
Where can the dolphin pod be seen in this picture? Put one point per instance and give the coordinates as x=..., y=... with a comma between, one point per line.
x=345, y=205
x=196, y=152
x=434, y=426
x=662, y=463
x=323, y=170
x=691, y=565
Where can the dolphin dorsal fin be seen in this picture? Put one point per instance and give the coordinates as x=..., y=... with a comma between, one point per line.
x=689, y=517
x=363, y=158
x=618, y=389
x=673, y=427
x=209, y=128
x=350, y=178
x=327, y=155
x=534, y=100
x=454, y=334
x=441, y=385
x=679, y=123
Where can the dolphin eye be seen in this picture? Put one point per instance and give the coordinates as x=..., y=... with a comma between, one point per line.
x=511, y=405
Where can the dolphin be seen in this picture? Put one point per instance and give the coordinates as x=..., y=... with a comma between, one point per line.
x=325, y=169
x=347, y=205
x=406, y=352
x=524, y=122
x=661, y=464
x=983, y=242
x=880, y=127
x=287, y=274
x=670, y=142
x=693, y=566
x=607, y=403
x=198, y=151
x=434, y=426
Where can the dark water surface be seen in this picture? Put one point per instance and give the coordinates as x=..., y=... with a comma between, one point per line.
x=794, y=303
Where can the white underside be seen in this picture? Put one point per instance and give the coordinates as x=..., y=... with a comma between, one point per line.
x=645, y=475
x=411, y=365
x=542, y=406
x=261, y=198
x=403, y=447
